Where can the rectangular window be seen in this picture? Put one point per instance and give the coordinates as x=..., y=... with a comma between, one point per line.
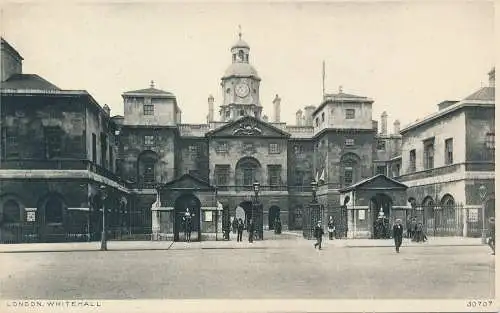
x=350, y=114
x=490, y=140
x=104, y=150
x=149, y=140
x=429, y=154
x=381, y=169
x=398, y=169
x=9, y=140
x=222, y=175
x=52, y=141
x=413, y=160
x=274, y=172
x=381, y=145
x=194, y=149
x=349, y=142
x=222, y=147
x=94, y=148
x=149, y=109
x=274, y=148
x=448, y=151
x=299, y=177
x=348, y=176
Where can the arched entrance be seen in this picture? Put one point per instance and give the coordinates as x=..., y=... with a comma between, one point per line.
x=274, y=213
x=247, y=171
x=381, y=208
x=240, y=213
x=52, y=211
x=428, y=206
x=10, y=221
x=146, y=168
x=187, y=210
x=445, y=217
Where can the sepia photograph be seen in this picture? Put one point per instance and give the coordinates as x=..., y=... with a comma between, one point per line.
x=253, y=154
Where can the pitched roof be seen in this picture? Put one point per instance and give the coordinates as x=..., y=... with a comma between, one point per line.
x=483, y=94
x=193, y=182
x=149, y=91
x=366, y=181
x=6, y=44
x=338, y=97
x=27, y=81
x=343, y=95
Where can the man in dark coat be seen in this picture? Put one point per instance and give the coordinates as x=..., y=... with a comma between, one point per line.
x=397, y=234
x=240, y=228
x=318, y=234
x=491, y=239
x=251, y=229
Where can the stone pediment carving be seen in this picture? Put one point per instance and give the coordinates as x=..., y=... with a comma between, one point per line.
x=247, y=129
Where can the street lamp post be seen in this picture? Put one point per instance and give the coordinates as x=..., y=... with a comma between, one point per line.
x=104, y=245
x=482, y=193
x=256, y=188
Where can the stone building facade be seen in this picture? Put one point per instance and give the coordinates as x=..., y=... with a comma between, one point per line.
x=64, y=157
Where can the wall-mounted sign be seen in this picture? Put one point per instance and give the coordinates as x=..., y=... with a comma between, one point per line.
x=361, y=215
x=31, y=216
x=473, y=215
x=208, y=216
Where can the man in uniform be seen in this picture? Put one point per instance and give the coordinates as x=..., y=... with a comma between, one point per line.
x=318, y=234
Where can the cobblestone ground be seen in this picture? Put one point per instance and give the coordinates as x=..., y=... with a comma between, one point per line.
x=278, y=269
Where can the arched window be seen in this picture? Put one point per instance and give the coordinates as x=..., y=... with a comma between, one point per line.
x=350, y=172
x=447, y=201
x=147, y=167
x=11, y=212
x=53, y=210
x=247, y=171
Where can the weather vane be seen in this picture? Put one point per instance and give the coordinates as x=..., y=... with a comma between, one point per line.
x=152, y=84
x=239, y=31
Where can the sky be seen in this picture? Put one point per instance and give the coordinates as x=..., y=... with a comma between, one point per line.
x=406, y=56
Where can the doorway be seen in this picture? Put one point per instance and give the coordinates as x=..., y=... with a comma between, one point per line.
x=187, y=210
x=274, y=213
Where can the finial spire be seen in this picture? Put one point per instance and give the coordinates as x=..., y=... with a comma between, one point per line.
x=152, y=84
x=239, y=31
x=340, y=89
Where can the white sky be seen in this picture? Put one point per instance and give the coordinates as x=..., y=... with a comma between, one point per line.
x=407, y=56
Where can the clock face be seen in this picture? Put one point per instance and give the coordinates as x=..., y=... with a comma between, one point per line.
x=242, y=90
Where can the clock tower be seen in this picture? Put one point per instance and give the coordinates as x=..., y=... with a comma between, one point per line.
x=240, y=85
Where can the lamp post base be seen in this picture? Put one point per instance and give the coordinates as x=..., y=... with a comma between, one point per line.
x=483, y=236
x=104, y=244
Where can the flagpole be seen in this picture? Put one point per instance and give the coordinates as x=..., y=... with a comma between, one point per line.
x=323, y=79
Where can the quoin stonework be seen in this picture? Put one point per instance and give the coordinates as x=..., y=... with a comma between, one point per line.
x=65, y=158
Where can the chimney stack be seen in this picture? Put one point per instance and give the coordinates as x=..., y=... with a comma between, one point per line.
x=107, y=109
x=383, y=126
x=210, y=108
x=397, y=127
x=277, y=108
x=308, y=114
x=298, y=118
x=491, y=75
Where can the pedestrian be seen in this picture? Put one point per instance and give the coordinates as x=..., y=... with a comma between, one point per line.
x=491, y=239
x=240, y=228
x=331, y=228
x=413, y=228
x=318, y=234
x=277, y=226
x=187, y=225
x=235, y=225
x=251, y=229
x=397, y=234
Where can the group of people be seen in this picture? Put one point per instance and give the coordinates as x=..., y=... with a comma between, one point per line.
x=415, y=230
x=238, y=226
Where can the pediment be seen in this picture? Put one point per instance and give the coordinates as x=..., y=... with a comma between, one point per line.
x=248, y=127
x=187, y=182
x=377, y=182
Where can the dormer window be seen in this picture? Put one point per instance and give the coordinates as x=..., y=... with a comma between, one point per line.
x=242, y=112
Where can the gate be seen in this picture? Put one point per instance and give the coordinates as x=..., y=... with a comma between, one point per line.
x=258, y=219
x=442, y=220
x=312, y=214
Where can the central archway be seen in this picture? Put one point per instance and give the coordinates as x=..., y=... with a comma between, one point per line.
x=381, y=208
x=187, y=210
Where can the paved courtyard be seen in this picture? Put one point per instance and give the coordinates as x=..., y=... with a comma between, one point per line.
x=288, y=268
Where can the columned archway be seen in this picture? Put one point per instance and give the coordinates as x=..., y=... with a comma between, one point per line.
x=187, y=209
